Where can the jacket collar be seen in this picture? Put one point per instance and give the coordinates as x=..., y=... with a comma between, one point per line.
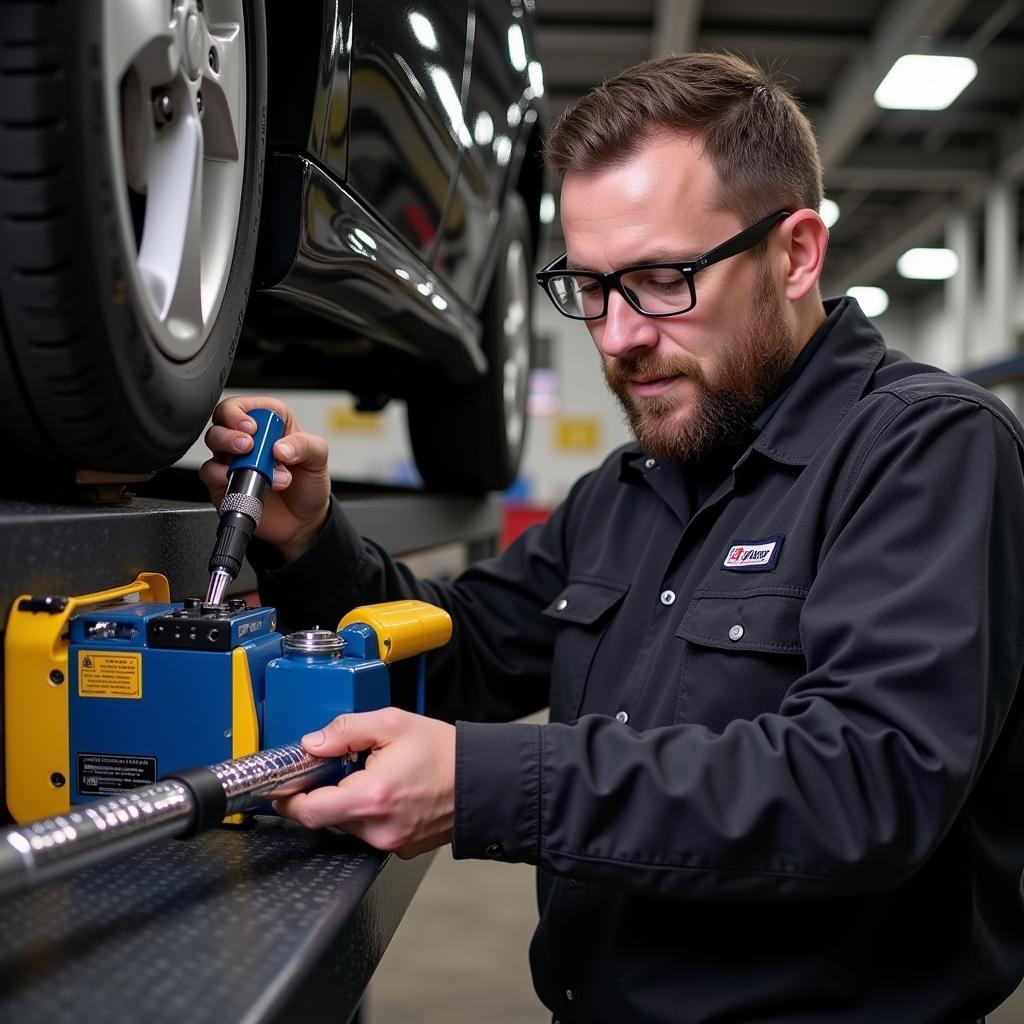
x=826, y=389
x=842, y=357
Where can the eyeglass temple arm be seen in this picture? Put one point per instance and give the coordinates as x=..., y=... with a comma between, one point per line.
x=741, y=242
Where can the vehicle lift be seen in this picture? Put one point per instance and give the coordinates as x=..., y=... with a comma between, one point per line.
x=261, y=922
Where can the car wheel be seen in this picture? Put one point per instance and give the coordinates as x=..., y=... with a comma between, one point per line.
x=471, y=438
x=131, y=169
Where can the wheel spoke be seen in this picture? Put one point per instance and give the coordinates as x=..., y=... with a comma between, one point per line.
x=224, y=93
x=138, y=35
x=171, y=252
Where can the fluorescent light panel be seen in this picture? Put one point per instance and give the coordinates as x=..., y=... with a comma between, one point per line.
x=829, y=212
x=873, y=301
x=928, y=264
x=919, y=81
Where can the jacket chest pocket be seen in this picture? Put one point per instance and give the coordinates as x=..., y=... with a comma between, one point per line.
x=583, y=609
x=743, y=654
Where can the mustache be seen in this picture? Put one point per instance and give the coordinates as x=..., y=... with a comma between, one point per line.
x=646, y=366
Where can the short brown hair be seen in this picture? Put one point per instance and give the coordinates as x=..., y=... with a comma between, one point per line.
x=752, y=130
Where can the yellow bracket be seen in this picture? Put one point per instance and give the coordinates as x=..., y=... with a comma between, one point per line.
x=403, y=628
x=36, y=697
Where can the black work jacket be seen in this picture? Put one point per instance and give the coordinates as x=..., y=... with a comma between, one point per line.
x=784, y=775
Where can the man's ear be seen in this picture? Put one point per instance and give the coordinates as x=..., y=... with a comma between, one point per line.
x=804, y=238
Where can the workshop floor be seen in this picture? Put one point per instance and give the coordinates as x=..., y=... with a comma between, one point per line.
x=460, y=952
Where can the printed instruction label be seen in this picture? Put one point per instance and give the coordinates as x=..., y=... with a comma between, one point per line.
x=110, y=674
x=101, y=774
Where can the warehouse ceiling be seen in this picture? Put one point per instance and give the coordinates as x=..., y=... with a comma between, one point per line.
x=895, y=174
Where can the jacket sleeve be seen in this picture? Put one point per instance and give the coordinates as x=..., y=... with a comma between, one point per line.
x=913, y=648
x=496, y=666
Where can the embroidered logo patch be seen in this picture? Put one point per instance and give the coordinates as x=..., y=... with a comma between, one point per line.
x=754, y=555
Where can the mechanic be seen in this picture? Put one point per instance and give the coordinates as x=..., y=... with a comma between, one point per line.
x=780, y=635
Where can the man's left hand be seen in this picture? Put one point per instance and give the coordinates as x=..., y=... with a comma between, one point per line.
x=403, y=800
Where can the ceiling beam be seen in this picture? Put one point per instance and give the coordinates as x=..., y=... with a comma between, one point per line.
x=1006, y=52
x=898, y=31
x=676, y=26
x=818, y=45
x=1011, y=151
x=585, y=40
x=902, y=179
x=912, y=169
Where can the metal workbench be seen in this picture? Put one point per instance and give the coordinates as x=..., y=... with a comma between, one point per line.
x=49, y=548
x=270, y=924
x=265, y=924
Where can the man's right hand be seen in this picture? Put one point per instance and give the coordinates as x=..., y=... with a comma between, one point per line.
x=296, y=508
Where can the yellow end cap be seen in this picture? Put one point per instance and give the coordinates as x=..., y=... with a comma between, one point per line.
x=36, y=697
x=403, y=628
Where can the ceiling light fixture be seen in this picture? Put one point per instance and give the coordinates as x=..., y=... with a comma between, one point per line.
x=919, y=81
x=829, y=212
x=872, y=301
x=928, y=264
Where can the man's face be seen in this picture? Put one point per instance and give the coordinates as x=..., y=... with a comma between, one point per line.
x=685, y=382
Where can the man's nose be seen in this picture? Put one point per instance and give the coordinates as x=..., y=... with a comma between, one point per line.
x=625, y=330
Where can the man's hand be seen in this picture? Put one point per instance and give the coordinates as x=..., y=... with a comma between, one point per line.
x=403, y=800
x=296, y=508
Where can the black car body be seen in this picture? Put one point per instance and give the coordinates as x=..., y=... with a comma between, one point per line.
x=392, y=165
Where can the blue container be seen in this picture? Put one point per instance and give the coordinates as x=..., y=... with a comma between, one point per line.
x=319, y=676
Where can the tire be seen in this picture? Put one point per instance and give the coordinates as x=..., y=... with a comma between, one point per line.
x=470, y=439
x=127, y=236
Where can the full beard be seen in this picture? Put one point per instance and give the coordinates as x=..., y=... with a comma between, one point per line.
x=746, y=375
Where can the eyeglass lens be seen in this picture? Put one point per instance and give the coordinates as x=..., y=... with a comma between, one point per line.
x=658, y=290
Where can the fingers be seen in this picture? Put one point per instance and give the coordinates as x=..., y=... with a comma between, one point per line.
x=214, y=473
x=232, y=428
x=357, y=805
x=307, y=451
x=232, y=412
x=299, y=449
x=226, y=444
x=352, y=733
x=328, y=805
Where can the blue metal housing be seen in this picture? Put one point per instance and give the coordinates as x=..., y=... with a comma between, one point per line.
x=183, y=715
x=176, y=708
x=305, y=691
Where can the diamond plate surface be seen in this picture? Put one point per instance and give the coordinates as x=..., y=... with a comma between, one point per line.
x=252, y=926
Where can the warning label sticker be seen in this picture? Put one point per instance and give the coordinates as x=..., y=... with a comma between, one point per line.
x=114, y=773
x=106, y=674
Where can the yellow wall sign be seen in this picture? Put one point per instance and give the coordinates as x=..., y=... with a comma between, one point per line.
x=347, y=419
x=577, y=435
x=106, y=674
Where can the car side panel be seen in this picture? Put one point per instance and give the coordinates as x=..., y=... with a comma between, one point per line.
x=405, y=112
x=328, y=138
x=307, y=77
x=499, y=115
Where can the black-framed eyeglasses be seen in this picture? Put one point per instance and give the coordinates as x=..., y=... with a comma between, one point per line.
x=653, y=289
